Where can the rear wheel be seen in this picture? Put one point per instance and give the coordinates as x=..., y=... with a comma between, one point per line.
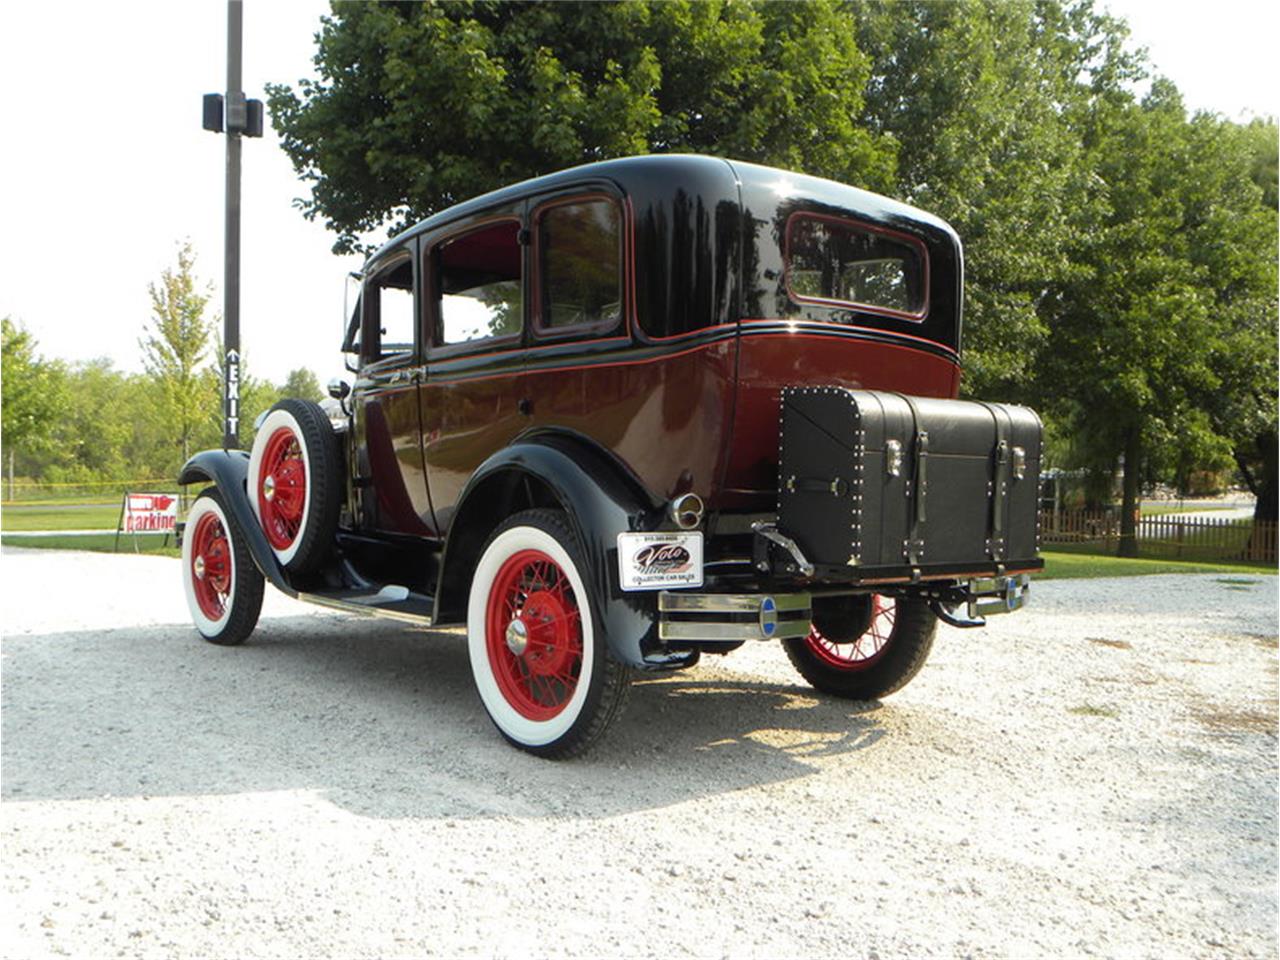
x=222, y=585
x=295, y=484
x=862, y=648
x=539, y=658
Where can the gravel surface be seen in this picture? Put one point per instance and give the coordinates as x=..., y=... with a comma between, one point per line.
x=1094, y=776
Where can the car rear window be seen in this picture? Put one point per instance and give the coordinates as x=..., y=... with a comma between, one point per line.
x=845, y=263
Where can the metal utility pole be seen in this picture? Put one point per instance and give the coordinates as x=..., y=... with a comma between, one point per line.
x=242, y=118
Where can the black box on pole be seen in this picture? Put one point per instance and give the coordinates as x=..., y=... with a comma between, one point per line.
x=213, y=112
x=253, y=118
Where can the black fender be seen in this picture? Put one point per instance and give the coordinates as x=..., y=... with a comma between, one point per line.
x=228, y=470
x=601, y=501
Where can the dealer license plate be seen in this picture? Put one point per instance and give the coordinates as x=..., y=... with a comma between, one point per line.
x=655, y=561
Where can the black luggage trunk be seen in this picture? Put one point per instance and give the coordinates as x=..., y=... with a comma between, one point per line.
x=877, y=485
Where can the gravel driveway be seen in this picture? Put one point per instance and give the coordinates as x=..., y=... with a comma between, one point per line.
x=1096, y=775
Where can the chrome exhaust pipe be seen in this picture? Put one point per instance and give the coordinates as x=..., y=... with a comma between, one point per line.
x=686, y=511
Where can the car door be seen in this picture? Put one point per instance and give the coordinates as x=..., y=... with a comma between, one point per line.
x=578, y=311
x=390, y=484
x=472, y=402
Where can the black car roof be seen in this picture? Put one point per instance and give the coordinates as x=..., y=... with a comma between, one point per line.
x=669, y=167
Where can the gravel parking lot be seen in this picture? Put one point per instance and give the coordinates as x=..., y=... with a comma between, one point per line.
x=1094, y=776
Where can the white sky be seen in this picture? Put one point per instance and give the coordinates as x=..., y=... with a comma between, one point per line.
x=104, y=167
x=1221, y=54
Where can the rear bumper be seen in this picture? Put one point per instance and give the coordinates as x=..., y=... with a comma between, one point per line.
x=737, y=617
x=732, y=617
x=997, y=595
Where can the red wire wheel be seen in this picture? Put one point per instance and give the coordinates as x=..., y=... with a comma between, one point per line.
x=295, y=483
x=871, y=646
x=222, y=586
x=282, y=488
x=864, y=651
x=533, y=635
x=211, y=570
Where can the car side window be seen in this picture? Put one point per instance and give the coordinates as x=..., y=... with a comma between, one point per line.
x=478, y=283
x=389, y=317
x=579, y=247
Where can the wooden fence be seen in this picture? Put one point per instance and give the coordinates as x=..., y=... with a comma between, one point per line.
x=1167, y=536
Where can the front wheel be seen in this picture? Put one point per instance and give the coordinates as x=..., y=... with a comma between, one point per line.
x=863, y=648
x=223, y=587
x=538, y=655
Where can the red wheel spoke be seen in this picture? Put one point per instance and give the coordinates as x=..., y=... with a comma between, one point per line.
x=210, y=566
x=864, y=650
x=282, y=488
x=531, y=588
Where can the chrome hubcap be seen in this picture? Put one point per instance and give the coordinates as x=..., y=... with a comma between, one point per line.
x=269, y=487
x=517, y=637
x=198, y=567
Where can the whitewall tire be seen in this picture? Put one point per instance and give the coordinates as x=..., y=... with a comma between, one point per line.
x=222, y=586
x=540, y=662
x=295, y=484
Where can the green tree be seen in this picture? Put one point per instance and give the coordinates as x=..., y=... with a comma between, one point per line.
x=419, y=106
x=1243, y=266
x=32, y=395
x=302, y=383
x=175, y=351
x=97, y=432
x=1262, y=139
x=1175, y=268
x=979, y=96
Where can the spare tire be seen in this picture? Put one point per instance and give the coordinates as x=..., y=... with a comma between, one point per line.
x=295, y=483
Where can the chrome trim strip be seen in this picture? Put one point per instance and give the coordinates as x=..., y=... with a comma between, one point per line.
x=711, y=631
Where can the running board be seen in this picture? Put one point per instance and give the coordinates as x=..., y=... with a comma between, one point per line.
x=393, y=602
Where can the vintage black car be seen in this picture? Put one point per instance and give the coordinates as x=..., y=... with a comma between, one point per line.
x=627, y=414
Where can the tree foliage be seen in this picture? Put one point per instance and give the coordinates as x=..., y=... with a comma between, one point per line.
x=979, y=96
x=302, y=384
x=32, y=394
x=1152, y=340
x=419, y=106
x=175, y=349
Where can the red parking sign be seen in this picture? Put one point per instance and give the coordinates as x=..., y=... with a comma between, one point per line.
x=150, y=512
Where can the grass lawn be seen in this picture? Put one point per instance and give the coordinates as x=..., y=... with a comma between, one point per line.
x=97, y=543
x=71, y=516
x=1063, y=566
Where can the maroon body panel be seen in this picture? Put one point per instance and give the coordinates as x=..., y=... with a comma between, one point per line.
x=769, y=361
x=666, y=417
x=463, y=423
x=387, y=442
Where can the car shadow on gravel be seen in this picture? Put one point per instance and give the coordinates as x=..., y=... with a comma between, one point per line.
x=382, y=720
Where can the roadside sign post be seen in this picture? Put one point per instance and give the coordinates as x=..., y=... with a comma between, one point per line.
x=232, y=114
x=147, y=513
